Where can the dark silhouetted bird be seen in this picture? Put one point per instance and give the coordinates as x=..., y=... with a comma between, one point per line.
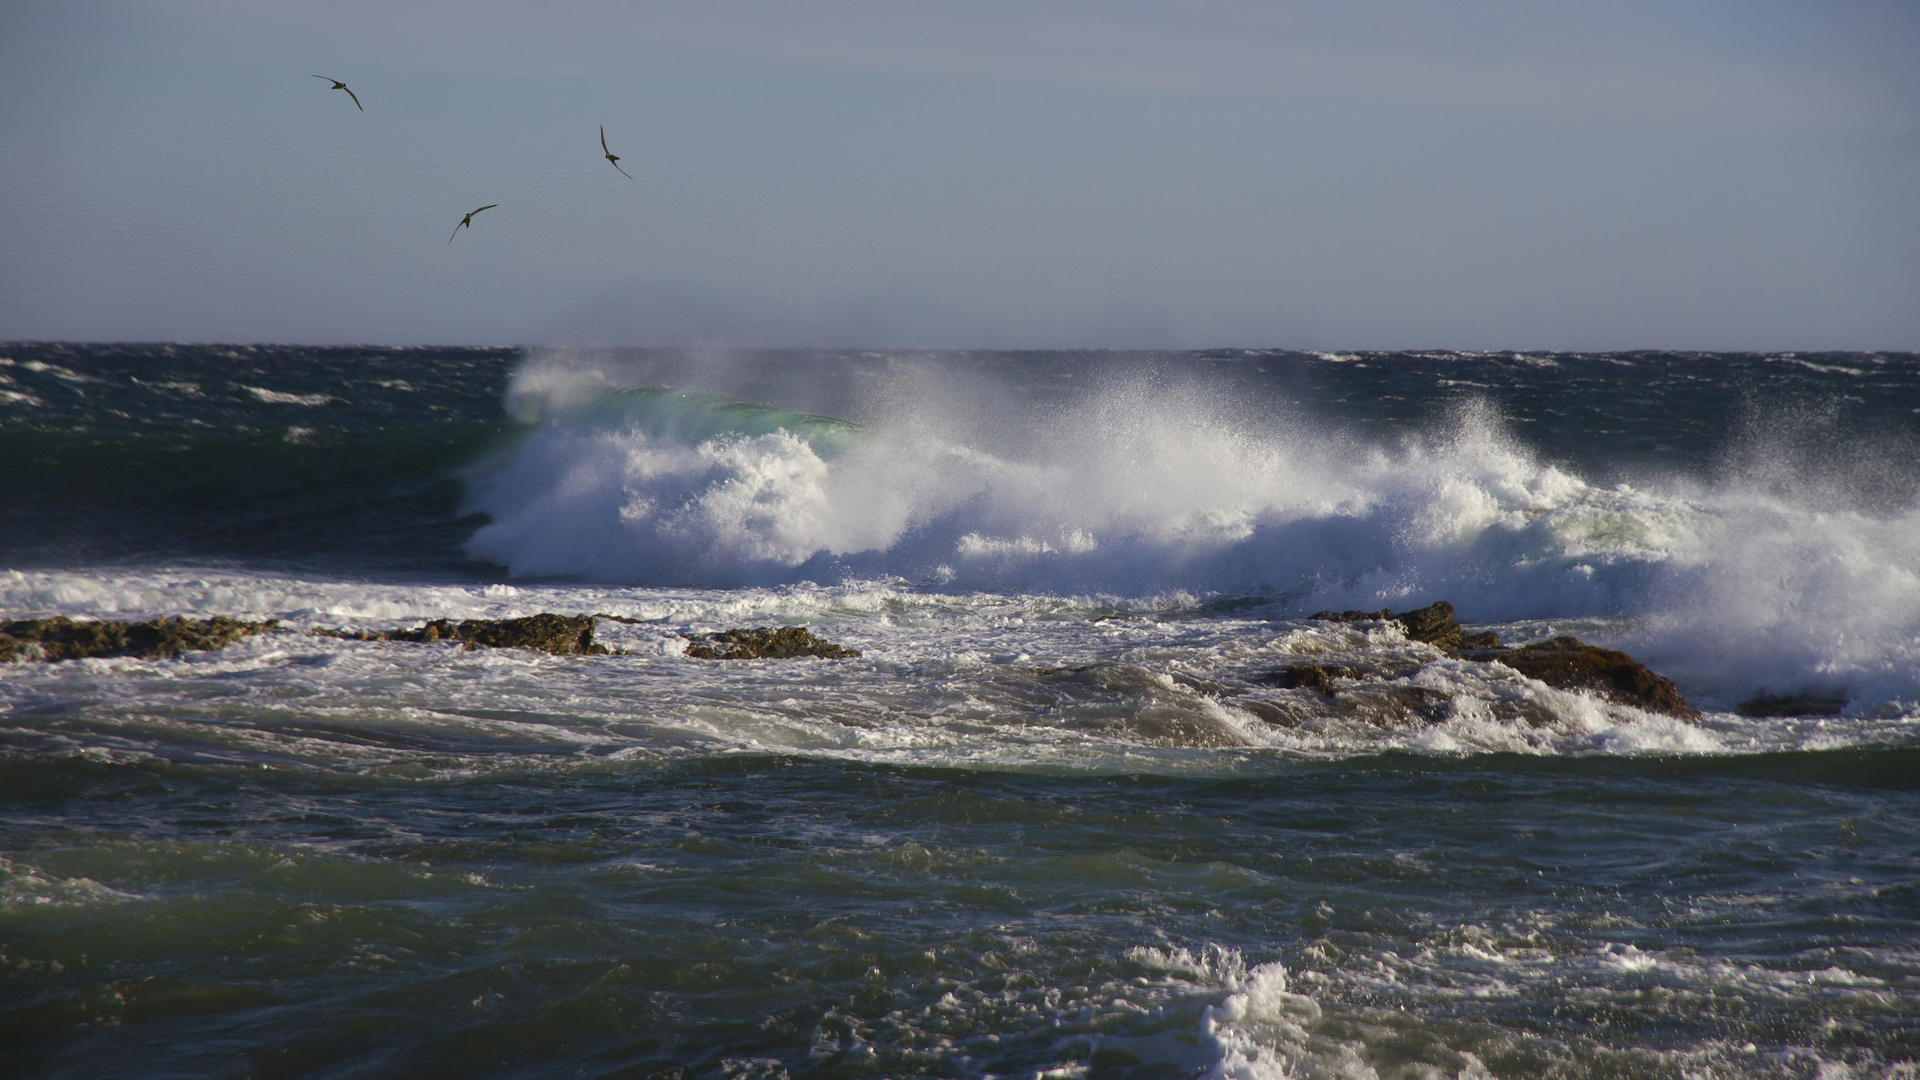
x=610, y=154
x=467, y=222
x=338, y=85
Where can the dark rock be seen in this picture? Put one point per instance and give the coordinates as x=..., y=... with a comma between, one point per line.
x=762, y=643
x=1311, y=677
x=1564, y=662
x=561, y=635
x=1351, y=616
x=61, y=638
x=1571, y=664
x=1814, y=704
x=1432, y=624
x=1485, y=640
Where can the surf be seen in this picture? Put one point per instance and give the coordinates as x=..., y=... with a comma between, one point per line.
x=1140, y=484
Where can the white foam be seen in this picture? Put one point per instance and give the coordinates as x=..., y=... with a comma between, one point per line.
x=276, y=397
x=23, y=885
x=973, y=680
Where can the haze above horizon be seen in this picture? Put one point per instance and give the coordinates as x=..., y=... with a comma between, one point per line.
x=1383, y=174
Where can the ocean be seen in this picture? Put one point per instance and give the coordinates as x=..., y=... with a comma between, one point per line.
x=1059, y=818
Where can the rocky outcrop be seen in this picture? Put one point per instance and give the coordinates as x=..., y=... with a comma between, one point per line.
x=761, y=643
x=561, y=635
x=565, y=635
x=61, y=638
x=1565, y=663
x=1432, y=624
x=1571, y=664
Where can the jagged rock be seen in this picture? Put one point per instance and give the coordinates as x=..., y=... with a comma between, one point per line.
x=61, y=638
x=762, y=643
x=1571, y=664
x=1432, y=624
x=1814, y=704
x=1565, y=662
x=561, y=635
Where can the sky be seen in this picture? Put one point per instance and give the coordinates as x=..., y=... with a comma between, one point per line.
x=1472, y=174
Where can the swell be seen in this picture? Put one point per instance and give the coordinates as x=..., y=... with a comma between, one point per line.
x=382, y=498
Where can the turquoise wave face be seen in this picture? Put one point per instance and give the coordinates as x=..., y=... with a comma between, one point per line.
x=692, y=417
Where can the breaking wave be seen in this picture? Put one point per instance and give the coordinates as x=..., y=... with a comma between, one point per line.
x=1143, y=486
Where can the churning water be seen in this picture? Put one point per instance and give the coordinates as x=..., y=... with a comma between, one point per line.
x=1058, y=819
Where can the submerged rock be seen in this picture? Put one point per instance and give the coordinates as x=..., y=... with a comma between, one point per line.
x=61, y=638
x=1810, y=704
x=1395, y=706
x=761, y=643
x=561, y=635
x=1312, y=677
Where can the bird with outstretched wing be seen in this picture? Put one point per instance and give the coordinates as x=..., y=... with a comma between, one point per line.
x=467, y=222
x=338, y=85
x=611, y=157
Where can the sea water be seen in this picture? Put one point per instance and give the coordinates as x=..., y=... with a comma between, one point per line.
x=1059, y=818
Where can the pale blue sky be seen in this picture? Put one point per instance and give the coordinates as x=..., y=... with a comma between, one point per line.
x=1384, y=174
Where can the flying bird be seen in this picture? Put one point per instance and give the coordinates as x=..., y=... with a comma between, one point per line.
x=338, y=85
x=610, y=154
x=467, y=222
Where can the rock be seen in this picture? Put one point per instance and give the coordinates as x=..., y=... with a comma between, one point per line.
x=561, y=635
x=1571, y=664
x=762, y=643
x=1565, y=662
x=1351, y=616
x=61, y=638
x=1485, y=639
x=1432, y=624
x=1811, y=704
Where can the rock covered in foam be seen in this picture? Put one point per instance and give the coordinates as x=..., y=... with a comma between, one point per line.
x=561, y=635
x=61, y=638
x=1319, y=677
x=760, y=643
